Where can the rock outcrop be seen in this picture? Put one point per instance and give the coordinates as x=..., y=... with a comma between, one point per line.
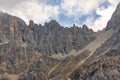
x=53, y=39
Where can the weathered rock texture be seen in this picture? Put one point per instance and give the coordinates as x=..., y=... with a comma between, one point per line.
x=52, y=52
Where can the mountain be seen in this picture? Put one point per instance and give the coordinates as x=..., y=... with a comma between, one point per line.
x=54, y=52
x=114, y=21
x=53, y=39
x=21, y=45
x=104, y=64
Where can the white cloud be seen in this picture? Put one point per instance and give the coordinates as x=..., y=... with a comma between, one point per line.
x=101, y=22
x=33, y=9
x=10, y=3
x=114, y=2
x=80, y=7
x=40, y=11
x=89, y=21
x=105, y=15
x=77, y=8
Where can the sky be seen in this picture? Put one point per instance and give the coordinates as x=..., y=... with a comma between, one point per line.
x=94, y=13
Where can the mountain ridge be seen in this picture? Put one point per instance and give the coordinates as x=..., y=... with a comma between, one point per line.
x=52, y=52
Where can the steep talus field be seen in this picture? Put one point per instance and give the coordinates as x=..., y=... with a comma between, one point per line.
x=104, y=64
x=54, y=52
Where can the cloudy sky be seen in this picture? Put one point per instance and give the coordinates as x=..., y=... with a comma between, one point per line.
x=93, y=13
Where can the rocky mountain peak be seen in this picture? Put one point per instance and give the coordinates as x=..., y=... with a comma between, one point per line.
x=85, y=27
x=115, y=19
x=53, y=23
x=31, y=24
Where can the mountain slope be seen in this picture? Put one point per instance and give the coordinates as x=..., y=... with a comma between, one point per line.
x=104, y=64
x=52, y=52
x=70, y=66
x=21, y=45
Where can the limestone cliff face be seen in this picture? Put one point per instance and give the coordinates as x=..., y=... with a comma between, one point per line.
x=53, y=39
x=15, y=52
